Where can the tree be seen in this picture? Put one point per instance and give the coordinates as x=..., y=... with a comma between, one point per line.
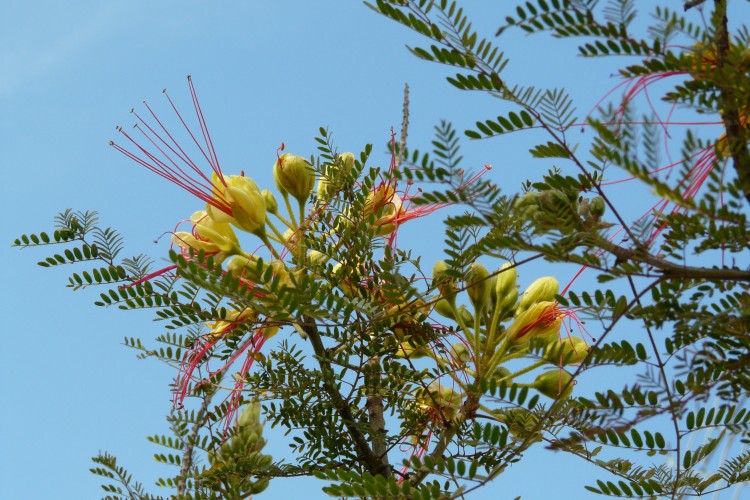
x=456, y=363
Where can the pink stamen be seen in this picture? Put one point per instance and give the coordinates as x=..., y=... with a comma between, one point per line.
x=191, y=178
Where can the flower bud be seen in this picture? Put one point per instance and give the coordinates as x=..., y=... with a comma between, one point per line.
x=443, y=308
x=224, y=326
x=597, y=206
x=566, y=351
x=241, y=264
x=541, y=320
x=294, y=175
x=542, y=290
x=506, y=280
x=459, y=352
x=315, y=258
x=408, y=351
x=501, y=374
x=444, y=282
x=554, y=384
x=478, y=286
x=521, y=423
x=293, y=243
x=347, y=163
x=250, y=415
x=272, y=207
x=326, y=188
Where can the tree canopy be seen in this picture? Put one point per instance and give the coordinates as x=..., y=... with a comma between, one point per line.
x=295, y=306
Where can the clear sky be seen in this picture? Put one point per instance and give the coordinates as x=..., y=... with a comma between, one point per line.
x=266, y=73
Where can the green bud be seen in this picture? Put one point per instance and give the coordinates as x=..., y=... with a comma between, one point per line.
x=240, y=264
x=554, y=384
x=510, y=299
x=315, y=258
x=501, y=373
x=478, y=286
x=443, y=308
x=407, y=350
x=521, y=423
x=466, y=316
x=347, y=163
x=597, y=206
x=459, y=352
x=293, y=242
x=541, y=290
x=250, y=415
x=506, y=280
x=566, y=351
x=271, y=206
x=444, y=282
x=326, y=189
x=294, y=175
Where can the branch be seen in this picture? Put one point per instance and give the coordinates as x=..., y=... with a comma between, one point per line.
x=670, y=269
x=187, y=456
x=730, y=101
x=365, y=454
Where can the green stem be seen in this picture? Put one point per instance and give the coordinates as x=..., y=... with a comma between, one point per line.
x=275, y=231
x=294, y=225
x=523, y=371
x=265, y=240
x=301, y=210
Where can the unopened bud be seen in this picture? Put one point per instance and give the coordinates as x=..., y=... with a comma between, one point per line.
x=294, y=175
x=271, y=206
x=566, y=351
x=315, y=258
x=478, y=286
x=554, y=384
x=597, y=206
x=506, y=280
x=541, y=290
x=459, y=352
x=347, y=163
x=443, y=281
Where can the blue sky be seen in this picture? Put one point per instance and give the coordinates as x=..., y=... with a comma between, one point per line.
x=266, y=73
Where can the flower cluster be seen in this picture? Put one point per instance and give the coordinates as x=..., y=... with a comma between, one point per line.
x=236, y=208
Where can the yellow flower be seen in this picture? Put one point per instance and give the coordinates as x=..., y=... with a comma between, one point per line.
x=246, y=203
x=221, y=327
x=386, y=206
x=542, y=319
x=208, y=235
x=439, y=399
